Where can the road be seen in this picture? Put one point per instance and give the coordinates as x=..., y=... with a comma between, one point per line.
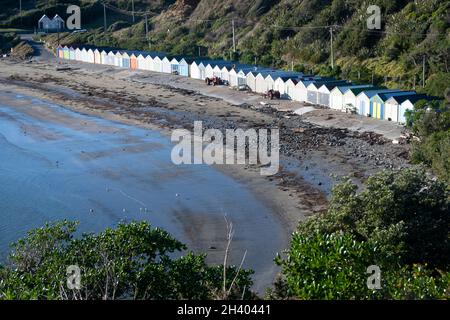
x=40, y=52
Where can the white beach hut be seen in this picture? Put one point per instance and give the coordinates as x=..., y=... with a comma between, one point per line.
x=78, y=54
x=97, y=57
x=166, y=66
x=157, y=64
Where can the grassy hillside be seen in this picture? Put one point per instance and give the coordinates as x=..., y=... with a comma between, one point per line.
x=278, y=33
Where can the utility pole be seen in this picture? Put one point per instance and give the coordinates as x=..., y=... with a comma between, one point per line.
x=132, y=8
x=20, y=9
x=234, y=37
x=199, y=52
x=104, y=15
x=331, y=43
x=423, y=72
x=292, y=65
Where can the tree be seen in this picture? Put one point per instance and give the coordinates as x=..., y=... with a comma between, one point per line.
x=132, y=261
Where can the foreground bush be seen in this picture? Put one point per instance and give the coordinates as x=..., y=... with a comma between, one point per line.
x=399, y=222
x=133, y=261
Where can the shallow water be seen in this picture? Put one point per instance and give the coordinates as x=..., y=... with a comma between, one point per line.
x=56, y=164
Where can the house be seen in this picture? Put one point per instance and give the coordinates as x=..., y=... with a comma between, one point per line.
x=393, y=111
x=377, y=109
x=337, y=95
x=280, y=85
x=183, y=68
x=46, y=24
x=166, y=67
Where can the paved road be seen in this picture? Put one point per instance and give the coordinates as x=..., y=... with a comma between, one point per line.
x=40, y=52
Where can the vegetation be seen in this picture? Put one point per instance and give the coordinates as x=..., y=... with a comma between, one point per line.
x=399, y=222
x=430, y=122
x=133, y=261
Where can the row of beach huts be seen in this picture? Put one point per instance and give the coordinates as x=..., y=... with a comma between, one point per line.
x=365, y=100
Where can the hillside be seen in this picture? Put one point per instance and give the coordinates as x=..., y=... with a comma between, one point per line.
x=278, y=33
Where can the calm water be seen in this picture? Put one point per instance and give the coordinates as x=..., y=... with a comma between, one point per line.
x=57, y=164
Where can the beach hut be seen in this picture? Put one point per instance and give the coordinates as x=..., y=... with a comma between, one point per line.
x=349, y=98
x=71, y=53
x=84, y=55
x=148, y=63
x=393, y=111
x=301, y=93
x=260, y=82
x=77, y=54
x=166, y=67
x=197, y=70
x=140, y=60
x=251, y=80
x=125, y=60
x=157, y=64
x=60, y=52
x=97, y=57
x=289, y=88
x=323, y=94
x=111, y=58
x=104, y=57
x=409, y=104
x=280, y=85
x=133, y=62
x=118, y=60
x=312, y=90
x=270, y=81
x=90, y=56
x=174, y=66
x=238, y=75
x=363, y=100
x=66, y=53
x=337, y=95
x=183, y=68
x=377, y=109
x=209, y=71
x=225, y=73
